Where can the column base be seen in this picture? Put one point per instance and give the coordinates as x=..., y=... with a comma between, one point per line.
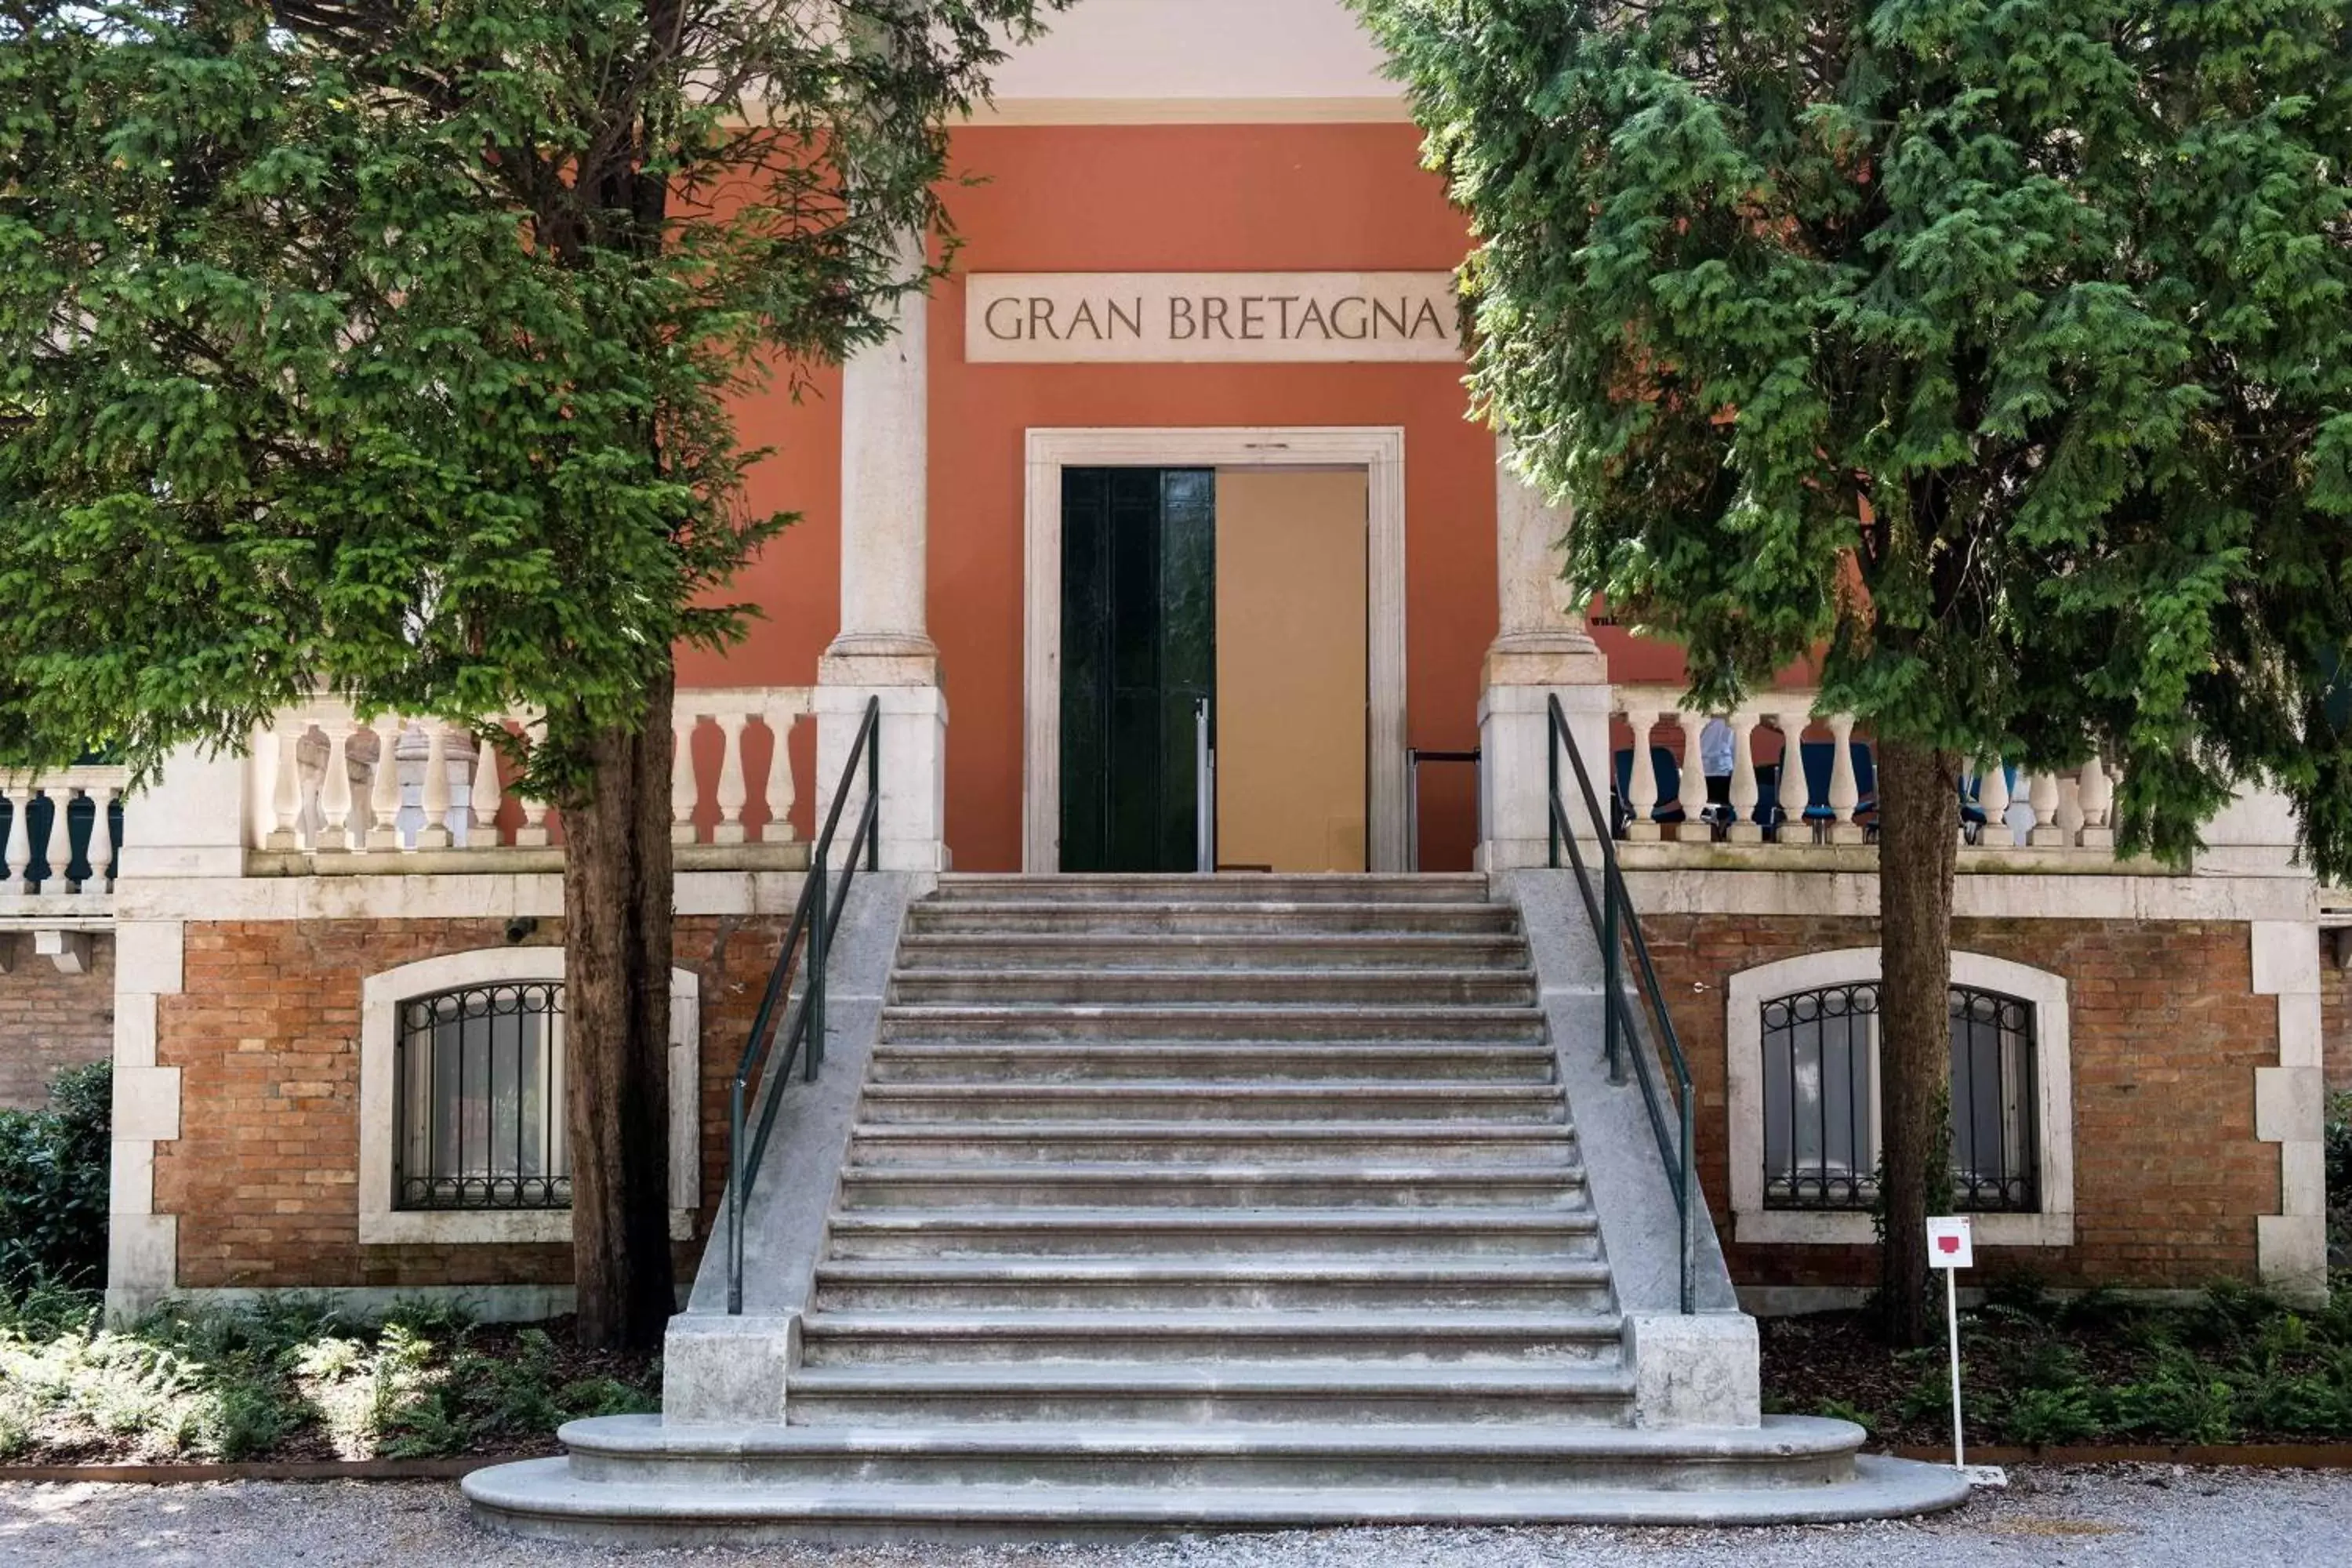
x=879, y=658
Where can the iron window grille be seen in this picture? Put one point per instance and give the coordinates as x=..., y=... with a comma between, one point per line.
x=479, y=1072
x=1821, y=1105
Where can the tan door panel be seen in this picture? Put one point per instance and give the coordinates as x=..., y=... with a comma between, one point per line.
x=1291, y=668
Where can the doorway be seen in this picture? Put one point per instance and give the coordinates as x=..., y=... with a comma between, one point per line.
x=1370, y=462
x=1214, y=661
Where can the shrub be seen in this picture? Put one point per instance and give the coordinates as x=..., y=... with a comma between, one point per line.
x=53, y=1184
x=2043, y=1415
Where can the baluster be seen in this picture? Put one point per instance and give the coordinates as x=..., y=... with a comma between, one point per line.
x=732, y=790
x=101, y=853
x=335, y=789
x=685, y=789
x=286, y=795
x=1846, y=788
x=19, y=853
x=1795, y=793
x=782, y=793
x=1745, y=829
x=1693, y=796
x=384, y=785
x=1992, y=800
x=485, y=798
x=2098, y=798
x=2041, y=793
x=2070, y=808
x=1642, y=789
x=532, y=833
x=435, y=834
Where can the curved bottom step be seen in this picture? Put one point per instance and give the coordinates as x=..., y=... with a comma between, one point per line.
x=629, y=1479
x=541, y=1499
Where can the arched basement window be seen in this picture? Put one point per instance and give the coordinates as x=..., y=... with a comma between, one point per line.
x=1821, y=1122
x=481, y=1113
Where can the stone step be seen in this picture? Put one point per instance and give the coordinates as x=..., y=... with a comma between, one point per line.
x=1335, y=887
x=1117, y=1061
x=919, y=953
x=1088, y=988
x=1292, y=1237
x=972, y=1023
x=1265, y=1101
x=1016, y=916
x=1572, y=1393
x=1148, y=1336
x=1324, y=1184
x=1177, y=1145
x=631, y=1481
x=1207, y=1282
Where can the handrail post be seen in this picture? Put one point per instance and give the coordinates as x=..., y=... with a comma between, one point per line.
x=1611, y=980
x=735, y=1197
x=1552, y=775
x=1689, y=1196
x=874, y=780
x=818, y=955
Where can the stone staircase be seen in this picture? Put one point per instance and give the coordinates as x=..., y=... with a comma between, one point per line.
x=1196, y=1202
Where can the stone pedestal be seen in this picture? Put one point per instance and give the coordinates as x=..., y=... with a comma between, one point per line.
x=914, y=733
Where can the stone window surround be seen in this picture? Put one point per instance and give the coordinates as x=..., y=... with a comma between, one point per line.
x=1745, y=994
x=381, y=994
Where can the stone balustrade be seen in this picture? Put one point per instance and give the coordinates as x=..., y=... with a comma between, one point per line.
x=59, y=855
x=62, y=831
x=326, y=791
x=1830, y=798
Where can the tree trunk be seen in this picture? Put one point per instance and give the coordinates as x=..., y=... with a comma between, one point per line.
x=1918, y=849
x=616, y=917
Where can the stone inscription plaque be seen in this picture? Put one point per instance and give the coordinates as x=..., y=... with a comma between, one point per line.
x=1177, y=318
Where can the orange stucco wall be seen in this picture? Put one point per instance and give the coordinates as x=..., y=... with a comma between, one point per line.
x=1145, y=198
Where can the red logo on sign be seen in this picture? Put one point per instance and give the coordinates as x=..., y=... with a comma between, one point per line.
x=1948, y=1244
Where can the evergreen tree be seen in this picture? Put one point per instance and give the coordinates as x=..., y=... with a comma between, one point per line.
x=388, y=349
x=2000, y=353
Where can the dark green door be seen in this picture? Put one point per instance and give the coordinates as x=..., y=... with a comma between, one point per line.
x=1139, y=653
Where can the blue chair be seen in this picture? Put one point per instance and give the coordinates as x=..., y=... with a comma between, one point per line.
x=1820, y=760
x=1669, y=772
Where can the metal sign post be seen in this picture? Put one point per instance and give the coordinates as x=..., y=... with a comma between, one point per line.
x=1951, y=1247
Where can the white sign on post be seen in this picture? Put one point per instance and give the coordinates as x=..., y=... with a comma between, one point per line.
x=1951, y=1243
x=1952, y=1246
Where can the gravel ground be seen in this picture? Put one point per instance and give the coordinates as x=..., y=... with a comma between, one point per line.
x=2153, y=1516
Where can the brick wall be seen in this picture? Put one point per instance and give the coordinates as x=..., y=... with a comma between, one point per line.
x=267, y=1037
x=2166, y=1037
x=2336, y=1012
x=49, y=1021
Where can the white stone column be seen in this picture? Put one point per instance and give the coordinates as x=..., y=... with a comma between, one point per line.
x=884, y=648
x=1540, y=648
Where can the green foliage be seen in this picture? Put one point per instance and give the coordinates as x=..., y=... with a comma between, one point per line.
x=391, y=351
x=53, y=1184
x=2235, y=1365
x=2339, y=1153
x=2049, y=1416
x=247, y=1383
x=2001, y=354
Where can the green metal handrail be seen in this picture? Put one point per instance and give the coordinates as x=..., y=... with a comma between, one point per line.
x=1614, y=922
x=810, y=939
